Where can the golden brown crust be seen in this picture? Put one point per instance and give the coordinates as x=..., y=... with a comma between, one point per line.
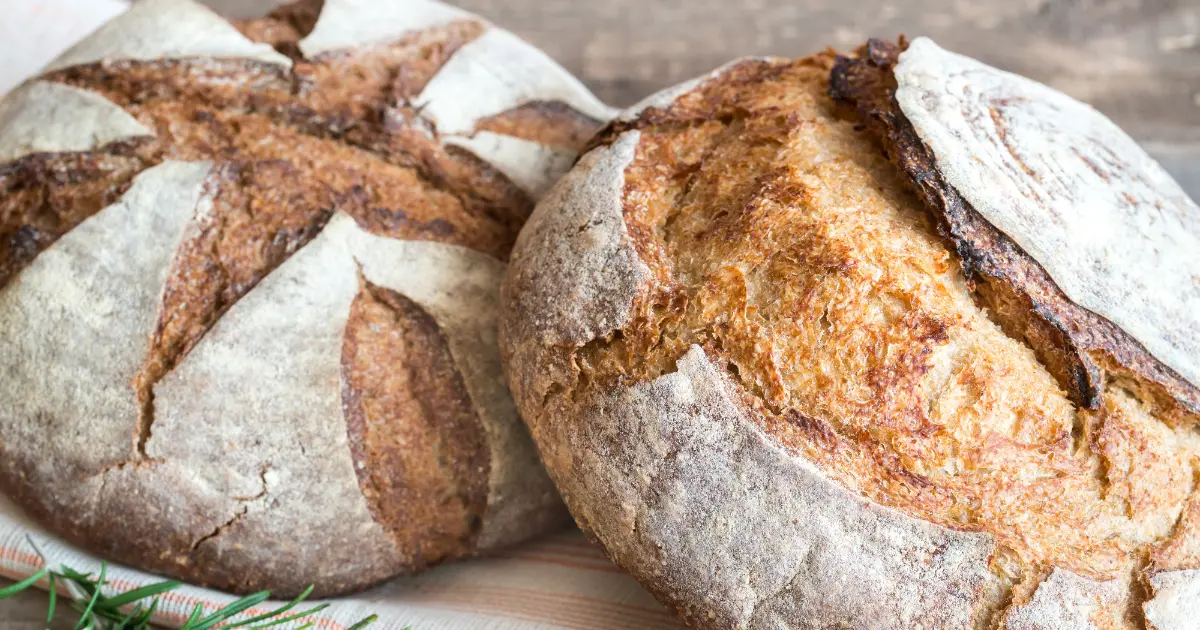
x=431, y=193
x=785, y=246
x=417, y=444
x=1081, y=349
x=345, y=85
x=550, y=123
x=283, y=27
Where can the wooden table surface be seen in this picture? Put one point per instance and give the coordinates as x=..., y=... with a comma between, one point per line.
x=1136, y=60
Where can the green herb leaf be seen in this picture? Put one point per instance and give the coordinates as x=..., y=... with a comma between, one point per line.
x=275, y=622
x=142, y=620
x=230, y=610
x=195, y=616
x=366, y=622
x=282, y=609
x=53, y=600
x=149, y=590
x=9, y=591
x=86, y=620
x=101, y=612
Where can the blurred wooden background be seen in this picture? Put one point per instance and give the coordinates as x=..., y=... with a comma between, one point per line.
x=1136, y=60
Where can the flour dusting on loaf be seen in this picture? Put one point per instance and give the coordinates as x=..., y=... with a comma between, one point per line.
x=85, y=315
x=677, y=484
x=44, y=117
x=1176, y=601
x=578, y=231
x=800, y=408
x=166, y=29
x=1108, y=224
x=531, y=166
x=501, y=71
x=266, y=379
x=352, y=23
x=460, y=289
x=1065, y=600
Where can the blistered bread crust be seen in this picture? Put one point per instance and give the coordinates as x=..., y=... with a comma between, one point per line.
x=251, y=295
x=785, y=303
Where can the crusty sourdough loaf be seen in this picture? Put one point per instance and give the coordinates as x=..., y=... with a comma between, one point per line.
x=248, y=287
x=790, y=383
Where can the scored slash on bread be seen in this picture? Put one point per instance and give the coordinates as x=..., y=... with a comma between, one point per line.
x=757, y=336
x=1082, y=340
x=212, y=238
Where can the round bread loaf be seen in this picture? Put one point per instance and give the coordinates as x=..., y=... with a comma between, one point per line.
x=891, y=340
x=249, y=277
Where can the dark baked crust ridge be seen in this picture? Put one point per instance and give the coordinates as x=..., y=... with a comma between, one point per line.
x=549, y=123
x=1081, y=349
x=45, y=195
x=284, y=26
x=417, y=442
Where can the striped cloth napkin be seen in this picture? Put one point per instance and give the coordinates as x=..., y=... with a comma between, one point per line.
x=559, y=582
x=562, y=581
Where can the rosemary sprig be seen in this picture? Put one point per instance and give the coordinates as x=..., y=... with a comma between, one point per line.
x=103, y=612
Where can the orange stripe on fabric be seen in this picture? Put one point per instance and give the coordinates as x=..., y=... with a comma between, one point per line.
x=189, y=601
x=24, y=557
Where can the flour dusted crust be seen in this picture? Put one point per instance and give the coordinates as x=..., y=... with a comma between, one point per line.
x=794, y=384
x=1176, y=602
x=461, y=289
x=70, y=297
x=531, y=166
x=654, y=470
x=1116, y=234
x=487, y=68
x=504, y=72
x=253, y=292
x=574, y=274
x=44, y=117
x=341, y=24
x=166, y=29
x=280, y=421
x=1065, y=600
